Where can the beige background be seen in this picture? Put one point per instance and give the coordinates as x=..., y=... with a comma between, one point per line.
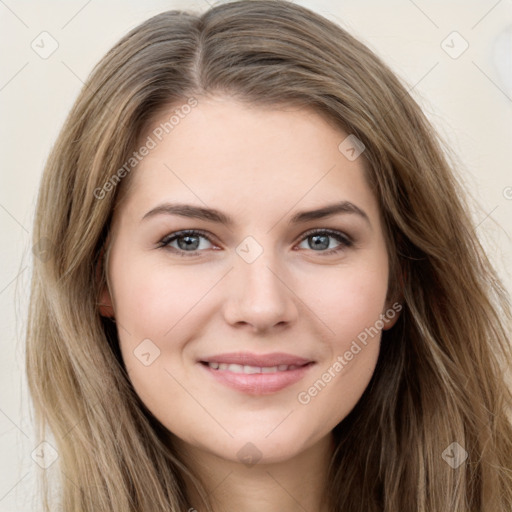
x=468, y=98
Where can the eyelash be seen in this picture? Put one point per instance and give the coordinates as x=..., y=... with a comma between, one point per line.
x=345, y=241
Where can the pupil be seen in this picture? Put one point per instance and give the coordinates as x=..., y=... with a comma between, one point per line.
x=322, y=244
x=189, y=241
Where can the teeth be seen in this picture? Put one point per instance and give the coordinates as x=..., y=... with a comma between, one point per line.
x=245, y=369
x=238, y=368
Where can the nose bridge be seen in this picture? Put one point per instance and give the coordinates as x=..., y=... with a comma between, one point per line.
x=259, y=295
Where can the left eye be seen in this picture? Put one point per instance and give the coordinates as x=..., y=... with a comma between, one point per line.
x=190, y=241
x=320, y=240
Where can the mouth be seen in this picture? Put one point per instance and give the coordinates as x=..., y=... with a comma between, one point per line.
x=256, y=374
x=250, y=370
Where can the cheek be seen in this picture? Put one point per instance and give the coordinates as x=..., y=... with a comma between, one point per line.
x=156, y=307
x=350, y=305
x=147, y=307
x=151, y=299
x=350, y=302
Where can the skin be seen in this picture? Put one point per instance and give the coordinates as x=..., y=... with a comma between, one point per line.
x=260, y=166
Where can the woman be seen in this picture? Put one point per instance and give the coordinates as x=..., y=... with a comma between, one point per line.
x=263, y=288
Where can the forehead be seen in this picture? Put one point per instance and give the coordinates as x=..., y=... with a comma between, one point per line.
x=224, y=152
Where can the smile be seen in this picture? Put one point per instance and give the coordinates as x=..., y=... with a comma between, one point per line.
x=238, y=368
x=256, y=374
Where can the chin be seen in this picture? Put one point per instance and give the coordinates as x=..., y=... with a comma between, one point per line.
x=250, y=450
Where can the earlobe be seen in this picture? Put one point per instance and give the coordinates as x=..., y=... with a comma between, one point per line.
x=392, y=313
x=104, y=303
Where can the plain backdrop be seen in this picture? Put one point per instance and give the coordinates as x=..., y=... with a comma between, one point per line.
x=455, y=57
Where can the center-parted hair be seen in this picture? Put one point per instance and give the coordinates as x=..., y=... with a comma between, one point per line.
x=441, y=373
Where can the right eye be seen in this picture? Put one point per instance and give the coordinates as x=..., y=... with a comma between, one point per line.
x=188, y=242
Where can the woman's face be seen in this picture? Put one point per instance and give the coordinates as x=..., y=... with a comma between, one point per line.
x=251, y=338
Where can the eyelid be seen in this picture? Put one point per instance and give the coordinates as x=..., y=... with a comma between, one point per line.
x=333, y=232
x=184, y=232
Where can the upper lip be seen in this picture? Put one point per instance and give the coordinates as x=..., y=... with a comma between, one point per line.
x=260, y=360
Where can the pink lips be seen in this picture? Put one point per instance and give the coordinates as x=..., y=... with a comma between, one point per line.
x=257, y=383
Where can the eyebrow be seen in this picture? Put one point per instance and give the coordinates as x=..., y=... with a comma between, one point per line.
x=213, y=215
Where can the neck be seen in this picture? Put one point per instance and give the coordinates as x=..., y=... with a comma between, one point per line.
x=295, y=484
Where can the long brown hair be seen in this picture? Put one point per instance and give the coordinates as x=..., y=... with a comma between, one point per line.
x=441, y=374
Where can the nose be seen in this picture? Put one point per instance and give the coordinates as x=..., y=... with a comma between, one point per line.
x=259, y=297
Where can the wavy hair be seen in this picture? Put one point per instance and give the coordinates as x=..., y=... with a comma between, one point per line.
x=442, y=371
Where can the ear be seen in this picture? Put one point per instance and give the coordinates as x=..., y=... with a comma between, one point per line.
x=394, y=307
x=105, y=300
x=391, y=315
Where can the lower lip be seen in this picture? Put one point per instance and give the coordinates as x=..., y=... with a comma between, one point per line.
x=258, y=383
